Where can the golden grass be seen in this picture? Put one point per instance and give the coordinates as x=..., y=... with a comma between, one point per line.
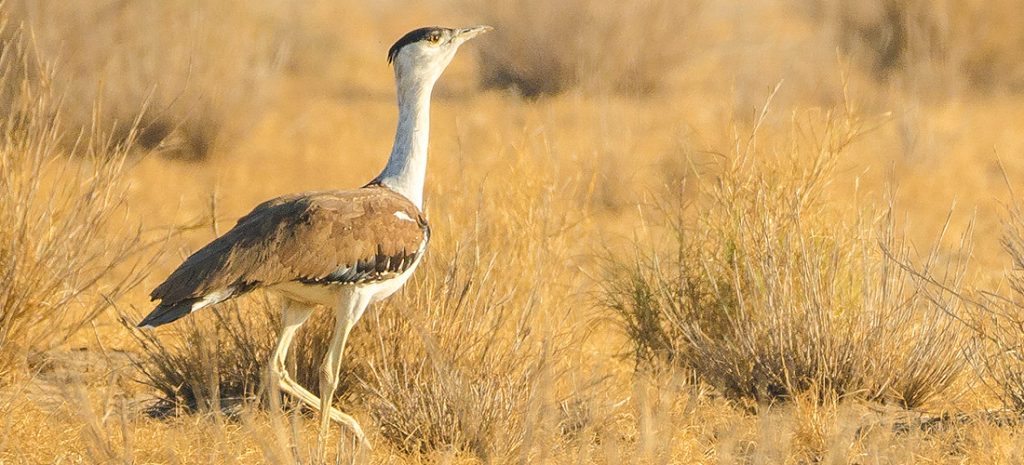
x=522, y=363
x=57, y=246
x=767, y=292
x=202, y=71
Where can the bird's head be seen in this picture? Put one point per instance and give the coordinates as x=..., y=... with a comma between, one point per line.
x=424, y=53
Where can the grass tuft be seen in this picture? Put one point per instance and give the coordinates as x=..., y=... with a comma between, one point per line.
x=216, y=360
x=456, y=369
x=999, y=321
x=765, y=301
x=58, y=248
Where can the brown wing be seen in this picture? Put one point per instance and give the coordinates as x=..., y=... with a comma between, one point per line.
x=354, y=236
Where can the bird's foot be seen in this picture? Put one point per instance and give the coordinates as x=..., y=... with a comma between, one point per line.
x=345, y=419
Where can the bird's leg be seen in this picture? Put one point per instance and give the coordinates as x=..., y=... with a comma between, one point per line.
x=348, y=313
x=294, y=315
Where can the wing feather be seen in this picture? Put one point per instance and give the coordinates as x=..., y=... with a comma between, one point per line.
x=321, y=237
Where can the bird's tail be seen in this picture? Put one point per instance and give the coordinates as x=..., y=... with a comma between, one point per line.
x=166, y=313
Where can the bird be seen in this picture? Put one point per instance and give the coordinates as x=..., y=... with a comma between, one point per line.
x=339, y=249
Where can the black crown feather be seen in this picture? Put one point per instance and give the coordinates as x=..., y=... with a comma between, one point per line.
x=412, y=37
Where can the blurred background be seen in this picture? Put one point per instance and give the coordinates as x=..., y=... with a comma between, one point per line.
x=206, y=72
x=628, y=84
x=212, y=80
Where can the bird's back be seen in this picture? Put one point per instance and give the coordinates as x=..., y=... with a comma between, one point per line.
x=353, y=237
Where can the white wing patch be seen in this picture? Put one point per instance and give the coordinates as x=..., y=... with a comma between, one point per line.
x=403, y=216
x=212, y=298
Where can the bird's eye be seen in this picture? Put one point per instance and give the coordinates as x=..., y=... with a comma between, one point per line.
x=434, y=38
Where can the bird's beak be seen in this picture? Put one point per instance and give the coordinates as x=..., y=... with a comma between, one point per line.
x=466, y=33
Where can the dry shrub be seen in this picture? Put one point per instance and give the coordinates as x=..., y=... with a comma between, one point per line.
x=216, y=360
x=766, y=293
x=456, y=369
x=59, y=207
x=543, y=48
x=202, y=68
x=932, y=44
x=999, y=322
x=212, y=361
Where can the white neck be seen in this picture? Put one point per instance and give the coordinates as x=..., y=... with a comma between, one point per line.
x=407, y=166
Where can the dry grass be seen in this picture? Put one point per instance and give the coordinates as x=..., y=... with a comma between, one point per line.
x=211, y=363
x=798, y=284
x=202, y=69
x=999, y=325
x=765, y=301
x=56, y=216
x=456, y=372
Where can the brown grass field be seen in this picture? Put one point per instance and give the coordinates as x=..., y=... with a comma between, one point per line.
x=784, y=231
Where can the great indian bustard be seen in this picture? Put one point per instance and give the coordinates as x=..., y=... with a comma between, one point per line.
x=341, y=249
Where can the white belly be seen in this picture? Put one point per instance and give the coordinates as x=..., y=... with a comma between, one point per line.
x=383, y=289
x=331, y=294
